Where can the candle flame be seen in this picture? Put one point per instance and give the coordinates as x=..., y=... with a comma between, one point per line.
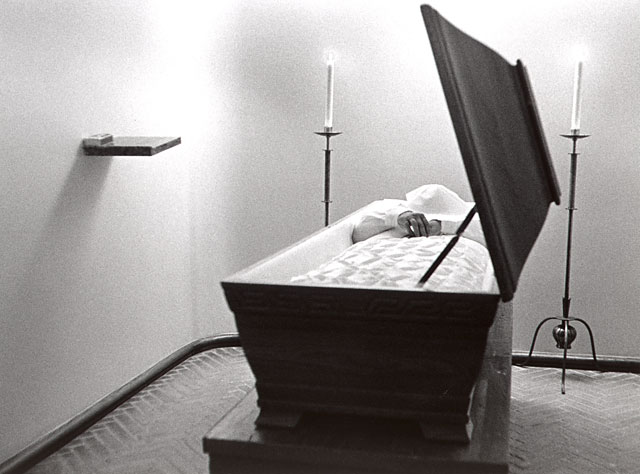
x=579, y=52
x=329, y=57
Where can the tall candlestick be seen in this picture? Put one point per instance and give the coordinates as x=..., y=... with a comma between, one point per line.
x=328, y=114
x=577, y=98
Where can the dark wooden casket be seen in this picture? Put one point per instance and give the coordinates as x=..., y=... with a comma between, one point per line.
x=409, y=354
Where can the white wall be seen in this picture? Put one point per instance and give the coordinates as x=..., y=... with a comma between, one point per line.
x=96, y=252
x=111, y=264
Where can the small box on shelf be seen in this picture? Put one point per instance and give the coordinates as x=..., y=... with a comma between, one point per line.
x=97, y=140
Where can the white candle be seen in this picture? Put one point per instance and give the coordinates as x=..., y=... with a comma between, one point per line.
x=328, y=113
x=577, y=98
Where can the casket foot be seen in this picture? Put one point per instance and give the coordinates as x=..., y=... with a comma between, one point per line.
x=278, y=418
x=460, y=433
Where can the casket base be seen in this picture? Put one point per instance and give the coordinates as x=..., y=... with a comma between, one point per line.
x=437, y=427
x=430, y=431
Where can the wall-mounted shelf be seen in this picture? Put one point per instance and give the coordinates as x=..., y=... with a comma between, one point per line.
x=129, y=146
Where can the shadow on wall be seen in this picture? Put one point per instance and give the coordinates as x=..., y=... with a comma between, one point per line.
x=53, y=271
x=68, y=227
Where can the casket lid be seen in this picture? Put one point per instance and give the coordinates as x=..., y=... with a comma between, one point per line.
x=502, y=144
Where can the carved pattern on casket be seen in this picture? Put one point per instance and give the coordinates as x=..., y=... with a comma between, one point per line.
x=473, y=309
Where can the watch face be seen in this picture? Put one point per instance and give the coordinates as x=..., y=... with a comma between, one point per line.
x=435, y=227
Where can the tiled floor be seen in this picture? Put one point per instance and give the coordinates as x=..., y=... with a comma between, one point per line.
x=594, y=428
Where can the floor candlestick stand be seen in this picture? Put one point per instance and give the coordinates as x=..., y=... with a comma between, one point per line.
x=327, y=133
x=564, y=334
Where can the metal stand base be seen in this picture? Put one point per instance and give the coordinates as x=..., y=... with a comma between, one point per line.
x=564, y=334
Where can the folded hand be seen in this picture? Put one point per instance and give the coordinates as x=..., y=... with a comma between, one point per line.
x=415, y=224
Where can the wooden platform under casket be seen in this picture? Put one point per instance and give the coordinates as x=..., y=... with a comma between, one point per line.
x=347, y=444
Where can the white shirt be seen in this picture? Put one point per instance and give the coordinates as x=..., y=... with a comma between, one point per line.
x=433, y=200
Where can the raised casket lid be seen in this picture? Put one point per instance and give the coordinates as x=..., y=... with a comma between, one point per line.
x=502, y=144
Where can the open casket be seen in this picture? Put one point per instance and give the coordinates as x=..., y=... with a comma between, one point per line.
x=405, y=353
